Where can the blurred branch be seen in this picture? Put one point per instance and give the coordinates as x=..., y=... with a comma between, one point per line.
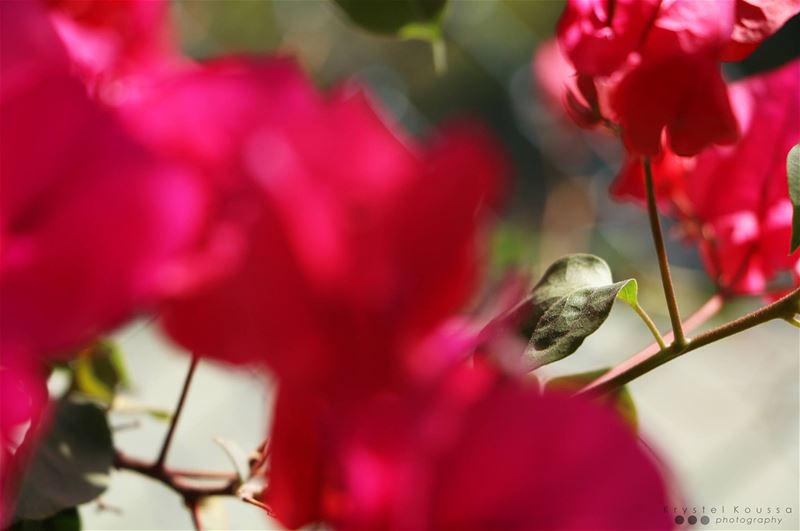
x=189, y=483
x=191, y=491
x=162, y=456
x=194, y=508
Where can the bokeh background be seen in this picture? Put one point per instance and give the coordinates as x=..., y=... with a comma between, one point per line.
x=724, y=420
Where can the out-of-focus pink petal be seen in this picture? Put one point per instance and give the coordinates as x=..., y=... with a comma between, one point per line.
x=118, y=45
x=355, y=240
x=86, y=229
x=485, y=454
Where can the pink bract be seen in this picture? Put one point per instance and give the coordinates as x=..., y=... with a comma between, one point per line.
x=85, y=230
x=478, y=452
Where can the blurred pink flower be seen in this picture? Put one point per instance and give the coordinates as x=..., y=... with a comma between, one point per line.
x=578, y=97
x=598, y=35
x=343, y=239
x=308, y=425
x=117, y=45
x=736, y=198
x=480, y=451
x=87, y=218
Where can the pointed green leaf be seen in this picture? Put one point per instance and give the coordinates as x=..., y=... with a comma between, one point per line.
x=72, y=463
x=793, y=173
x=420, y=19
x=630, y=293
x=564, y=326
x=620, y=398
x=570, y=302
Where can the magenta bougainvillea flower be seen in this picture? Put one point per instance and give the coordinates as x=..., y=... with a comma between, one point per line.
x=559, y=86
x=89, y=219
x=755, y=21
x=599, y=35
x=344, y=238
x=308, y=424
x=658, y=63
x=661, y=63
x=745, y=231
x=116, y=46
x=479, y=451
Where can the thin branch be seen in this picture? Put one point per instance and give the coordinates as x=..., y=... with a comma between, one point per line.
x=190, y=491
x=260, y=505
x=162, y=456
x=661, y=251
x=788, y=306
x=194, y=510
x=784, y=308
x=203, y=474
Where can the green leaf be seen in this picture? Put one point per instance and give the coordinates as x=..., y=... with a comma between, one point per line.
x=793, y=173
x=566, y=275
x=570, y=302
x=66, y=520
x=411, y=19
x=621, y=399
x=630, y=293
x=100, y=371
x=72, y=463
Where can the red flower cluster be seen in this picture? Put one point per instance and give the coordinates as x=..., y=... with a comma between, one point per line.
x=656, y=65
x=744, y=231
x=612, y=68
x=268, y=223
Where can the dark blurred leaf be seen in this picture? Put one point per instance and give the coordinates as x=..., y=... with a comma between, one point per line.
x=403, y=18
x=71, y=464
x=621, y=399
x=66, y=520
x=793, y=172
x=570, y=302
x=100, y=371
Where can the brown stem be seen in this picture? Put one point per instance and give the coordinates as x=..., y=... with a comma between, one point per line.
x=787, y=307
x=162, y=456
x=194, y=509
x=177, y=480
x=661, y=251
